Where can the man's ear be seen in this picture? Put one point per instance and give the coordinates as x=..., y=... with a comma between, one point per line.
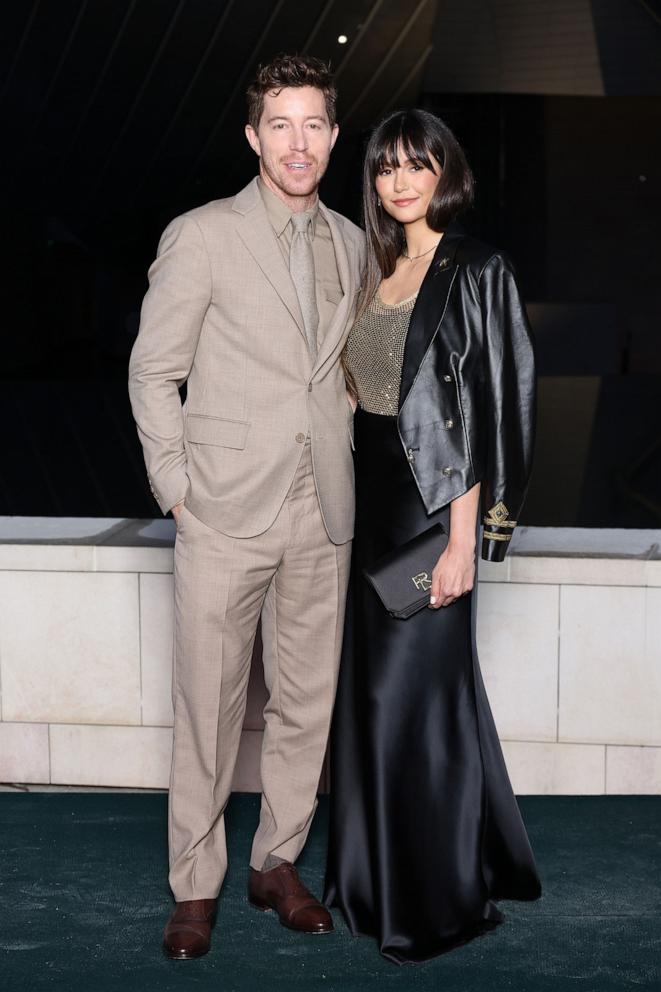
x=253, y=139
x=334, y=133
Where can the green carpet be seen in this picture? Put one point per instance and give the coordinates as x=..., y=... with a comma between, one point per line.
x=84, y=897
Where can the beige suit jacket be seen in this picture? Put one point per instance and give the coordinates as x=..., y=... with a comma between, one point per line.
x=222, y=315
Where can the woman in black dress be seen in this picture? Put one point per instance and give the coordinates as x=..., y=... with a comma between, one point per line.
x=425, y=832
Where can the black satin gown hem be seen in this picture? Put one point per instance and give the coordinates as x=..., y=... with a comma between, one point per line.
x=443, y=945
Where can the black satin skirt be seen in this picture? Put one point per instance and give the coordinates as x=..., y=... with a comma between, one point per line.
x=425, y=832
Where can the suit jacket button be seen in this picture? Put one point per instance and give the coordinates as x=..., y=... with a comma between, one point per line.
x=448, y=471
x=300, y=438
x=449, y=424
x=309, y=387
x=447, y=378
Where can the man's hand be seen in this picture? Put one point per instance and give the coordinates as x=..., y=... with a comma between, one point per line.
x=176, y=511
x=453, y=575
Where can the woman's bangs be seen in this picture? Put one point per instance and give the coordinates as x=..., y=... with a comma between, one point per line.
x=410, y=139
x=385, y=156
x=416, y=150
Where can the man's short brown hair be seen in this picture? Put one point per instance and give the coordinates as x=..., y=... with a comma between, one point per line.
x=291, y=70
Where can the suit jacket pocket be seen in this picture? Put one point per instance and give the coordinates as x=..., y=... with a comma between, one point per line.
x=201, y=429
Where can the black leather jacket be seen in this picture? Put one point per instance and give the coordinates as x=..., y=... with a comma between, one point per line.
x=467, y=397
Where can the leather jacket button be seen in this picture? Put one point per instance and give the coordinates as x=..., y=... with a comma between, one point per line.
x=448, y=471
x=410, y=455
x=447, y=378
x=449, y=424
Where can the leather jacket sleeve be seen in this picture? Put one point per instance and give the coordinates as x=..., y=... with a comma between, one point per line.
x=509, y=375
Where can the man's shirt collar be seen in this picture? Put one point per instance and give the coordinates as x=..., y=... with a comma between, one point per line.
x=279, y=213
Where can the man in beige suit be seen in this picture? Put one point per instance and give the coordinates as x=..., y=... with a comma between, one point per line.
x=250, y=301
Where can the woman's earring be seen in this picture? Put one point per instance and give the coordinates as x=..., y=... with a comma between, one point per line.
x=378, y=202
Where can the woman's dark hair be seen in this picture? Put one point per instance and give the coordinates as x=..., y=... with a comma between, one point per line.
x=420, y=135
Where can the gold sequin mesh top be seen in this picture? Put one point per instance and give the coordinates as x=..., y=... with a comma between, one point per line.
x=375, y=354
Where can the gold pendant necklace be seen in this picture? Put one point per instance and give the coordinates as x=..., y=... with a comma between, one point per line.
x=412, y=258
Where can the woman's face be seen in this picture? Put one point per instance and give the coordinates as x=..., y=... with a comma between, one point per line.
x=406, y=189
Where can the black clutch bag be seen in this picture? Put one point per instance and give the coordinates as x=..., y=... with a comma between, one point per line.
x=402, y=578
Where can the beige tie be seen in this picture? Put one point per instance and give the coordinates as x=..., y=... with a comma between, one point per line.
x=301, y=268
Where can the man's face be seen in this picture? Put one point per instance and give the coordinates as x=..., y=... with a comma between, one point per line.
x=294, y=141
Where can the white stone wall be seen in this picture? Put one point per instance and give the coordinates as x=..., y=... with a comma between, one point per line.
x=570, y=650
x=569, y=642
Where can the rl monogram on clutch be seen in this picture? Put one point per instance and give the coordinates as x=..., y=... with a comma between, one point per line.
x=398, y=577
x=421, y=581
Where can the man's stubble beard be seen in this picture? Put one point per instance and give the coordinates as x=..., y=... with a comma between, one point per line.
x=280, y=178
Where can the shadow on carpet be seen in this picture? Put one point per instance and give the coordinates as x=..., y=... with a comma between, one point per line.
x=84, y=899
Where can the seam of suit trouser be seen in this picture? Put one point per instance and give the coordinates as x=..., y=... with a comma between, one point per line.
x=338, y=628
x=175, y=693
x=338, y=633
x=211, y=820
x=273, y=648
x=299, y=836
x=275, y=691
x=219, y=668
x=276, y=646
x=216, y=813
x=274, y=643
x=249, y=652
x=172, y=693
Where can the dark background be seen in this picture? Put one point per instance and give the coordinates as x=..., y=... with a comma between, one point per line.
x=117, y=115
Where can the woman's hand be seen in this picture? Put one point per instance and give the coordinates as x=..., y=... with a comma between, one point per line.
x=453, y=575
x=454, y=572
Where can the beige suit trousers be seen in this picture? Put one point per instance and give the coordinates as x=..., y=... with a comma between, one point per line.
x=296, y=579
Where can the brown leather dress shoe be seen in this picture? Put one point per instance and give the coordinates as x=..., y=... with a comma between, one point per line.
x=281, y=889
x=188, y=931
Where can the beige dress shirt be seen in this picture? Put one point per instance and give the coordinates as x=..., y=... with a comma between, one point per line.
x=327, y=280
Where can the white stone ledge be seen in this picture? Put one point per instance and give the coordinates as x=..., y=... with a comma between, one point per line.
x=126, y=756
x=556, y=769
x=569, y=637
x=579, y=571
x=86, y=544
x=587, y=542
x=102, y=755
x=24, y=752
x=633, y=770
x=96, y=755
x=543, y=555
x=83, y=558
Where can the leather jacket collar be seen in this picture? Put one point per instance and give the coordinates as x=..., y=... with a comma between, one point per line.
x=430, y=305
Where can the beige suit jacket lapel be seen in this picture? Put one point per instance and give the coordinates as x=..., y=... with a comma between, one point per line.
x=256, y=232
x=338, y=324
